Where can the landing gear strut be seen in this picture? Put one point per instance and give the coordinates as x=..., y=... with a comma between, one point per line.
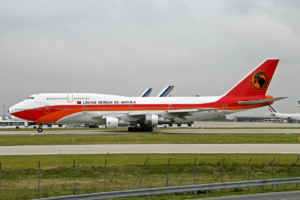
x=141, y=129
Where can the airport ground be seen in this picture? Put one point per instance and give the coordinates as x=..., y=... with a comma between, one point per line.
x=89, y=172
x=215, y=133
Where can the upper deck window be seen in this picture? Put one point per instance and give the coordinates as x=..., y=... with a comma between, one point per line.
x=30, y=97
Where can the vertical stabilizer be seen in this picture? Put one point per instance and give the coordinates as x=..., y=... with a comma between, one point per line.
x=166, y=91
x=147, y=92
x=272, y=109
x=256, y=83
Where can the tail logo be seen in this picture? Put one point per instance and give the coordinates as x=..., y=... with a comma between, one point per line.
x=259, y=80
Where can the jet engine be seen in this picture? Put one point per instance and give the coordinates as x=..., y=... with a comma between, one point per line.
x=151, y=120
x=162, y=120
x=123, y=123
x=112, y=122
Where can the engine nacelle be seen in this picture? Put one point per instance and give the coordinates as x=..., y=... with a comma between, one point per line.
x=151, y=120
x=112, y=122
x=162, y=120
x=123, y=123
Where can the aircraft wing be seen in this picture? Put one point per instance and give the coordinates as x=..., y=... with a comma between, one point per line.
x=171, y=114
x=260, y=101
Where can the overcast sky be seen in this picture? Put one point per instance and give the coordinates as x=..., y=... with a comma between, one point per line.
x=122, y=47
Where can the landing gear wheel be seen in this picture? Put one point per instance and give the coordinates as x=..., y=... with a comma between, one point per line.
x=140, y=129
x=129, y=128
x=40, y=130
x=150, y=129
x=133, y=129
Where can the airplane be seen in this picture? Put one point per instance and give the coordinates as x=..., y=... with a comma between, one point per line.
x=275, y=113
x=142, y=114
x=147, y=92
x=166, y=91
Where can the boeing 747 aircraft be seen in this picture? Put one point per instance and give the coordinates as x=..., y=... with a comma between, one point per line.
x=286, y=116
x=141, y=114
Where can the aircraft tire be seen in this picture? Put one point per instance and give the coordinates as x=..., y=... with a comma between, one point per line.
x=149, y=129
x=130, y=129
x=40, y=130
x=134, y=129
x=140, y=129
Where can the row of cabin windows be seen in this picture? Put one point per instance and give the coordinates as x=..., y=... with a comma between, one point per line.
x=66, y=98
x=63, y=108
x=29, y=109
x=56, y=98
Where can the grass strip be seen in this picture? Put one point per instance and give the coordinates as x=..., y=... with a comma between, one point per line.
x=57, y=173
x=150, y=138
x=89, y=160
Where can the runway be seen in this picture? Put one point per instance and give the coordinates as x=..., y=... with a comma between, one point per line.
x=149, y=148
x=156, y=131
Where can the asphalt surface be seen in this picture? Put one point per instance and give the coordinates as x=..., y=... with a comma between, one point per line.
x=165, y=131
x=149, y=148
x=217, y=129
x=266, y=196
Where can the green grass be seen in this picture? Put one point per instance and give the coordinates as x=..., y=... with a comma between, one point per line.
x=150, y=138
x=57, y=173
x=88, y=160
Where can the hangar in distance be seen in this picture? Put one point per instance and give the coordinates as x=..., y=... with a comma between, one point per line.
x=140, y=113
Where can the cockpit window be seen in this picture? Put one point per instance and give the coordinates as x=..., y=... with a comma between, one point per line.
x=30, y=98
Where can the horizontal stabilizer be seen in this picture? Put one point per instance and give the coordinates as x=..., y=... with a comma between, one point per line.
x=260, y=101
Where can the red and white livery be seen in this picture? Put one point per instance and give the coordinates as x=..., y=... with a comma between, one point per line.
x=140, y=113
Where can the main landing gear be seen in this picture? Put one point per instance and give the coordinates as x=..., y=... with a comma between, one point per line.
x=40, y=129
x=140, y=129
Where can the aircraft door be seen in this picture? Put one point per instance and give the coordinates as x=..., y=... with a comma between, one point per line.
x=47, y=109
x=70, y=98
x=131, y=107
x=84, y=108
x=224, y=107
x=170, y=107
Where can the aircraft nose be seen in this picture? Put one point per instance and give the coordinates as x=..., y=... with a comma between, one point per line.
x=11, y=110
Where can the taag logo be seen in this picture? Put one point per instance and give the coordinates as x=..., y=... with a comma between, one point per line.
x=259, y=80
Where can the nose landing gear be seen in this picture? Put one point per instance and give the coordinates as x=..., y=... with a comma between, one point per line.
x=40, y=129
